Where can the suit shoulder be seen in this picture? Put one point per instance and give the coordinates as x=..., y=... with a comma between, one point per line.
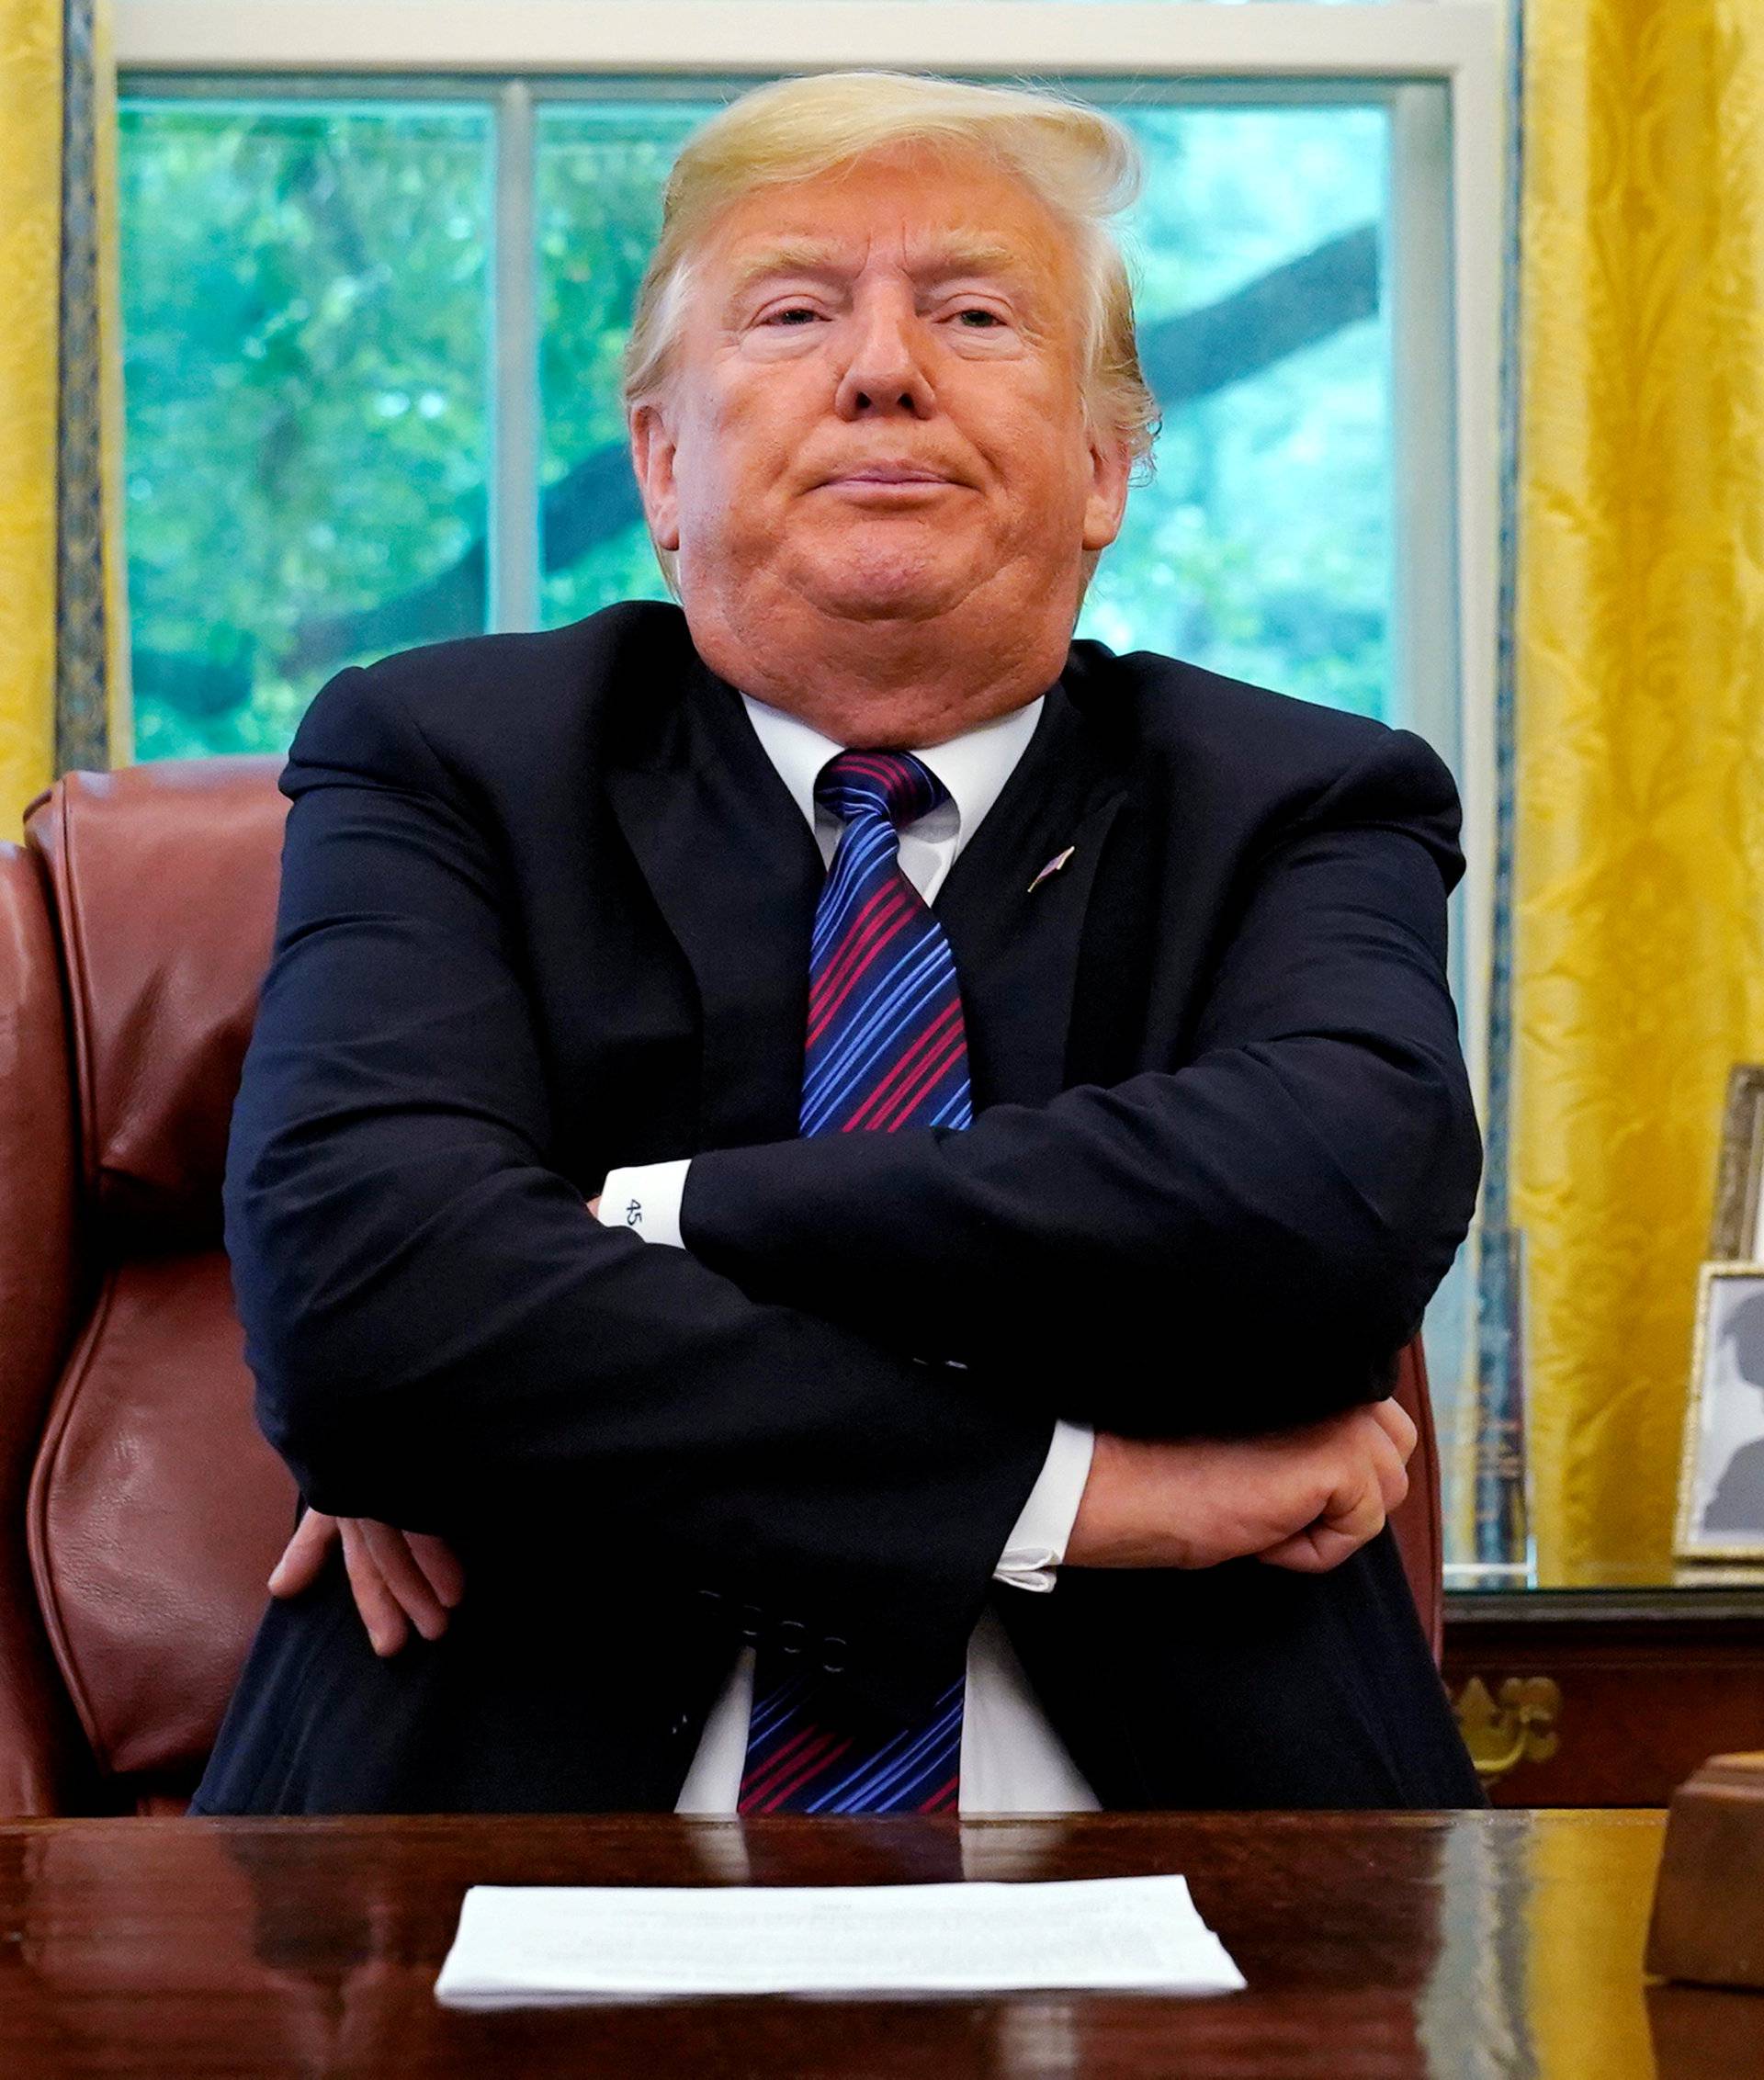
x=476, y=699
x=1251, y=741
x=575, y=660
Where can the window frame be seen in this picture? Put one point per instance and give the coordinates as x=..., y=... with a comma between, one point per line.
x=1446, y=227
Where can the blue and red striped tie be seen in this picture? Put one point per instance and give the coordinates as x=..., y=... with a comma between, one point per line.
x=886, y=1049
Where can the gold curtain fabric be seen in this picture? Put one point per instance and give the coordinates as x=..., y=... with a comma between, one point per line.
x=63, y=692
x=1639, y=927
x=30, y=226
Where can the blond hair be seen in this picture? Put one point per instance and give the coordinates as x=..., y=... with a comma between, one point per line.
x=1081, y=165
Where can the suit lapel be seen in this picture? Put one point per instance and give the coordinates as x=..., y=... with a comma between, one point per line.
x=1017, y=946
x=735, y=872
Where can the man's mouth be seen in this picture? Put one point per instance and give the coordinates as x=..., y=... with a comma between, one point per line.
x=889, y=473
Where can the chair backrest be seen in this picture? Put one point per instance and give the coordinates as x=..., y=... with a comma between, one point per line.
x=153, y=1508
x=140, y=1509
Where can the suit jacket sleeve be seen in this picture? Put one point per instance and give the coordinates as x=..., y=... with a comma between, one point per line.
x=442, y=1337
x=1244, y=1240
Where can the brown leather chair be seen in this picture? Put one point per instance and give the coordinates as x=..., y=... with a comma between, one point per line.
x=139, y=1510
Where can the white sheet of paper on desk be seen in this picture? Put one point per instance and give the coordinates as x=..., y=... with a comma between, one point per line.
x=521, y=1944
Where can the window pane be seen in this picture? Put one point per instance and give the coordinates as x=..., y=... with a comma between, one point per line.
x=1262, y=548
x=305, y=331
x=600, y=172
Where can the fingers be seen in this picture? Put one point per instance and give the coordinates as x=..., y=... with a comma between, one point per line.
x=387, y=1630
x=446, y=1576
x=1312, y=1552
x=395, y=1576
x=1372, y=1480
x=1353, y=1516
x=305, y=1555
x=1391, y=1473
x=1397, y=1424
x=1380, y=1439
x=405, y=1581
x=1356, y=1514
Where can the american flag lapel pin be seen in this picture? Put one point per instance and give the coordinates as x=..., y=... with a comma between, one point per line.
x=1053, y=866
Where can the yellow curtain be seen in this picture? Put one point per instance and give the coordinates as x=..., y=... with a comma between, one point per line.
x=30, y=223
x=1639, y=922
x=64, y=679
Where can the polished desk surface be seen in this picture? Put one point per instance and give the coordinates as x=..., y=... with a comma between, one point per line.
x=1473, y=1944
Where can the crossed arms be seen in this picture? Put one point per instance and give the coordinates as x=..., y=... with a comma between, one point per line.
x=442, y=1338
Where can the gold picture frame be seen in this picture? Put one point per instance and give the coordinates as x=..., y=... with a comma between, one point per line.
x=1740, y=1182
x=1721, y=1468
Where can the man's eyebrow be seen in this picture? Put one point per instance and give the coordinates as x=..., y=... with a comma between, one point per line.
x=938, y=263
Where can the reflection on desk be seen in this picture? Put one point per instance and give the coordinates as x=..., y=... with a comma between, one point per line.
x=1457, y=1944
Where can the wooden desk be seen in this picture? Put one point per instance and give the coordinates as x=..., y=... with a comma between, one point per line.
x=1478, y=1944
x=1605, y=1696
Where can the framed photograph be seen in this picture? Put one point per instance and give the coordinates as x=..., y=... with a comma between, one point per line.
x=1720, y=1476
x=1739, y=1183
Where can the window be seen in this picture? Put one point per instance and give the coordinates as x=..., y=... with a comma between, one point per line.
x=306, y=371
x=373, y=307
x=312, y=314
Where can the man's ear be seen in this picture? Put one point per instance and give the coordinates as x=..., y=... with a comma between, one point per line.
x=1111, y=468
x=652, y=464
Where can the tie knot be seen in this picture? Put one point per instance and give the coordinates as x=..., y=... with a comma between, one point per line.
x=889, y=784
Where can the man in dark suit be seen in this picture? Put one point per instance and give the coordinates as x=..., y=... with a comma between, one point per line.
x=1027, y=1079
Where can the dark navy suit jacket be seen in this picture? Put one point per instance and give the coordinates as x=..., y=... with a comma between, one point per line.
x=545, y=909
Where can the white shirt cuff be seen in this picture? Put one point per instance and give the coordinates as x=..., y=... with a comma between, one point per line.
x=1037, y=1542
x=645, y=1198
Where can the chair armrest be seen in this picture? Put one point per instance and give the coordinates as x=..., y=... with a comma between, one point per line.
x=41, y=1751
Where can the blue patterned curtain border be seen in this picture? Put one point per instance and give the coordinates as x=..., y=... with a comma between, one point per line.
x=1501, y=1533
x=82, y=722
x=1497, y=1193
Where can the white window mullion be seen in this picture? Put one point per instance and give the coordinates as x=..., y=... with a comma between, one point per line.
x=512, y=588
x=1479, y=229
x=1426, y=644
x=1417, y=264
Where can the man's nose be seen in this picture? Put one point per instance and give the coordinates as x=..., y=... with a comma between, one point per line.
x=885, y=374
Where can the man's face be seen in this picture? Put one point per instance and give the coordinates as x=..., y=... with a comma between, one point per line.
x=876, y=411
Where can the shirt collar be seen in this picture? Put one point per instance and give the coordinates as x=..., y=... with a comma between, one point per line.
x=973, y=766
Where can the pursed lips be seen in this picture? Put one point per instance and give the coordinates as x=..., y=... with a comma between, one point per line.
x=888, y=473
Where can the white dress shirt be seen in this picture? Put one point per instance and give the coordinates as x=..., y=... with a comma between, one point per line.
x=1012, y=1761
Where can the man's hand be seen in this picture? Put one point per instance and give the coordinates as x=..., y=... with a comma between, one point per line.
x=1302, y=1499
x=395, y=1576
